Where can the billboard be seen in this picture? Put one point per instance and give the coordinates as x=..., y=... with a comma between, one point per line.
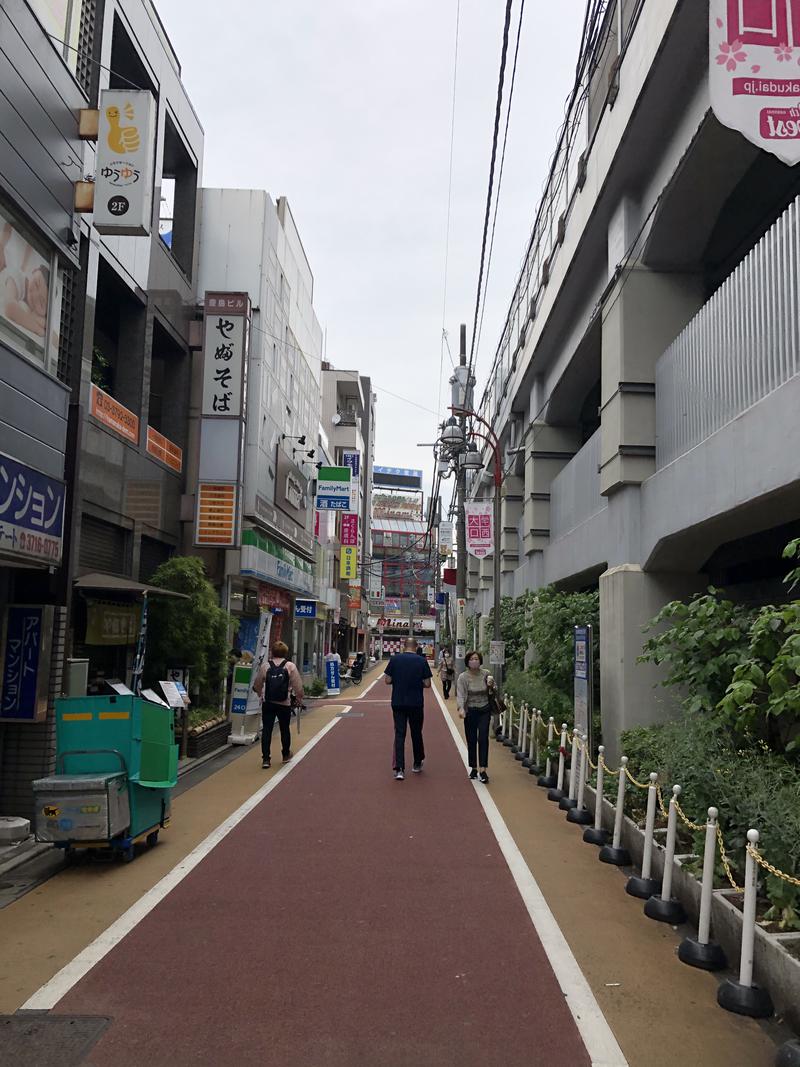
x=291, y=489
x=25, y=286
x=397, y=478
x=388, y=505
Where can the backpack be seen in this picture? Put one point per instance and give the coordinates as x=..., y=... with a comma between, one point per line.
x=276, y=688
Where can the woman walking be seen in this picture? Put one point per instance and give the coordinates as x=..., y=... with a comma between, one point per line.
x=446, y=672
x=473, y=690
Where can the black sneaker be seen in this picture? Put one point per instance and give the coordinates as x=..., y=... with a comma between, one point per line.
x=473, y=773
x=399, y=776
x=266, y=764
x=484, y=777
x=417, y=767
x=287, y=757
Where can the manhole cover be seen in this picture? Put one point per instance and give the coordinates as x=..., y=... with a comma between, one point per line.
x=38, y=1039
x=349, y=714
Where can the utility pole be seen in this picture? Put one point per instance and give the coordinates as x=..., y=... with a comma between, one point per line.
x=461, y=530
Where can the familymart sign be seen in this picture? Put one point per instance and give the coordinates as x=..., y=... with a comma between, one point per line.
x=333, y=489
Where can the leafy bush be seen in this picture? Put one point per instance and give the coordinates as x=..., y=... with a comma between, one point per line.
x=191, y=632
x=749, y=785
x=316, y=687
x=537, y=693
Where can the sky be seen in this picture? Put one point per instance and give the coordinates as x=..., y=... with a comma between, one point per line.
x=345, y=108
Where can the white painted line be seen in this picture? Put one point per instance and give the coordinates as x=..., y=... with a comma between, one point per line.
x=374, y=682
x=592, y=1025
x=61, y=983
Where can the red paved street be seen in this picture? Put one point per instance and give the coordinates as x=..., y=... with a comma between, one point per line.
x=348, y=919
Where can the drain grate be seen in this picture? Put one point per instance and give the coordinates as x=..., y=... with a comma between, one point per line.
x=349, y=714
x=39, y=1039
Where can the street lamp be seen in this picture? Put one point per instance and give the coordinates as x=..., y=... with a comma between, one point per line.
x=452, y=434
x=471, y=459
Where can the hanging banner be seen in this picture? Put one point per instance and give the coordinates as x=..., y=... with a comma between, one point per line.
x=480, y=529
x=126, y=146
x=349, y=530
x=348, y=562
x=445, y=535
x=754, y=82
x=352, y=459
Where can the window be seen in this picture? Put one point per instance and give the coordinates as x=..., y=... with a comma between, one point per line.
x=62, y=22
x=28, y=289
x=177, y=198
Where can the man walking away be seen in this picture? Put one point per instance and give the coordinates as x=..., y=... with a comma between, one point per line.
x=273, y=681
x=409, y=676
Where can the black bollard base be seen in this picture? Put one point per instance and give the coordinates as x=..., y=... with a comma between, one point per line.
x=710, y=957
x=595, y=837
x=567, y=804
x=579, y=816
x=745, y=1000
x=555, y=795
x=788, y=1055
x=547, y=781
x=642, y=888
x=498, y=734
x=514, y=747
x=507, y=742
x=536, y=768
x=520, y=755
x=526, y=762
x=618, y=857
x=665, y=911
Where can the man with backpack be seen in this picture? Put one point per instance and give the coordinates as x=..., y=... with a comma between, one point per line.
x=275, y=678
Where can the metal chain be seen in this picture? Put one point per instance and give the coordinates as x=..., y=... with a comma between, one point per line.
x=639, y=785
x=607, y=769
x=768, y=866
x=660, y=796
x=687, y=821
x=725, y=863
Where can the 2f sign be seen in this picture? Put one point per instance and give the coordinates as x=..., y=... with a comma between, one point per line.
x=123, y=193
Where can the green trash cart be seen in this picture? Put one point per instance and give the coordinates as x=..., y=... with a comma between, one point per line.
x=116, y=765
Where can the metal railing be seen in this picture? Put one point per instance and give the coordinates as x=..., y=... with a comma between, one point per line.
x=742, y=345
x=575, y=492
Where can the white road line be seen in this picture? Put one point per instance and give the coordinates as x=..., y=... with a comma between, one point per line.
x=371, y=684
x=60, y=984
x=592, y=1025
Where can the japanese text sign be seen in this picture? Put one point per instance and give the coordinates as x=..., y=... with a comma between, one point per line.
x=348, y=562
x=224, y=353
x=305, y=609
x=216, y=515
x=349, y=531
x=480, y=529
x=126, y=142
x=31, y=513
x=333, y=489
x=754, y=47
x=22, y=698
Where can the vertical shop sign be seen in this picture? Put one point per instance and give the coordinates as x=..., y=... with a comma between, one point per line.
x=349, y=531
x=754, y=83
x=126, y=144
x=348, y=562
x=23, y=697
x=583, y=662
x=224, y=353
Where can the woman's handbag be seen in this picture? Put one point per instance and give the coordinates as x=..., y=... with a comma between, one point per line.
x=496, y=703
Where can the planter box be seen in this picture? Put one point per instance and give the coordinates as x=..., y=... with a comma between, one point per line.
x=775, y=968
x=202, y=744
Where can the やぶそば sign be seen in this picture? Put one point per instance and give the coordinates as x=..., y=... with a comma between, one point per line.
x=224, y=353
x=754, y=72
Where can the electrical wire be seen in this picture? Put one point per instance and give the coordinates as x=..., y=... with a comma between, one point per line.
x=495, y=135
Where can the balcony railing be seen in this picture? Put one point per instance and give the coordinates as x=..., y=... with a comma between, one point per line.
x=575, y=492
x=741, y=346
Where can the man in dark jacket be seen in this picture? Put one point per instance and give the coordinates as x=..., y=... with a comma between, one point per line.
x=409, y=676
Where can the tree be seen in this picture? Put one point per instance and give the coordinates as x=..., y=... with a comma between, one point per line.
x=191, y=632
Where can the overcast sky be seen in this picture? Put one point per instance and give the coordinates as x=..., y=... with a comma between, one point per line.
x=345, y=108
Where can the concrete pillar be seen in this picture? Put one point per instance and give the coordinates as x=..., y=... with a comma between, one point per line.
x=629, y=691
x=550, y=448
x=642, y=316
x=511, y=512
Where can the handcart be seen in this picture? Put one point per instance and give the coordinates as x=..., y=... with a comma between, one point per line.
x=116, y=764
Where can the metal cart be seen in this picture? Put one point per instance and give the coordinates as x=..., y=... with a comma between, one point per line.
x=116, y=764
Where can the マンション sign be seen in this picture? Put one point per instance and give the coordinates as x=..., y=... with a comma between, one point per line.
x=754, y=80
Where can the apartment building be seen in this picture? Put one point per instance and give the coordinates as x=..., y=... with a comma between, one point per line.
x=646, y=380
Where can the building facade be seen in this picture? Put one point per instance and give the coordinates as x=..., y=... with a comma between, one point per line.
x=645, y=379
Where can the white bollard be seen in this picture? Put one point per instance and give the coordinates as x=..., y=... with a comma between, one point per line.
x=596, y=835
x=702, y=952
x=570, y=801
x=547, y=780
x=508, y=733
x=663, y=908
x=615, y=853
x=743, y=997
x=558, y=792
x=643, y=886
x=579, y=815
x=523, y=731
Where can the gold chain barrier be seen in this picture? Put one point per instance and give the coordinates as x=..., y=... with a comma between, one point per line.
x=768, y=866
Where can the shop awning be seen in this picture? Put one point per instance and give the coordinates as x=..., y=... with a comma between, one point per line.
x=109, y=583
